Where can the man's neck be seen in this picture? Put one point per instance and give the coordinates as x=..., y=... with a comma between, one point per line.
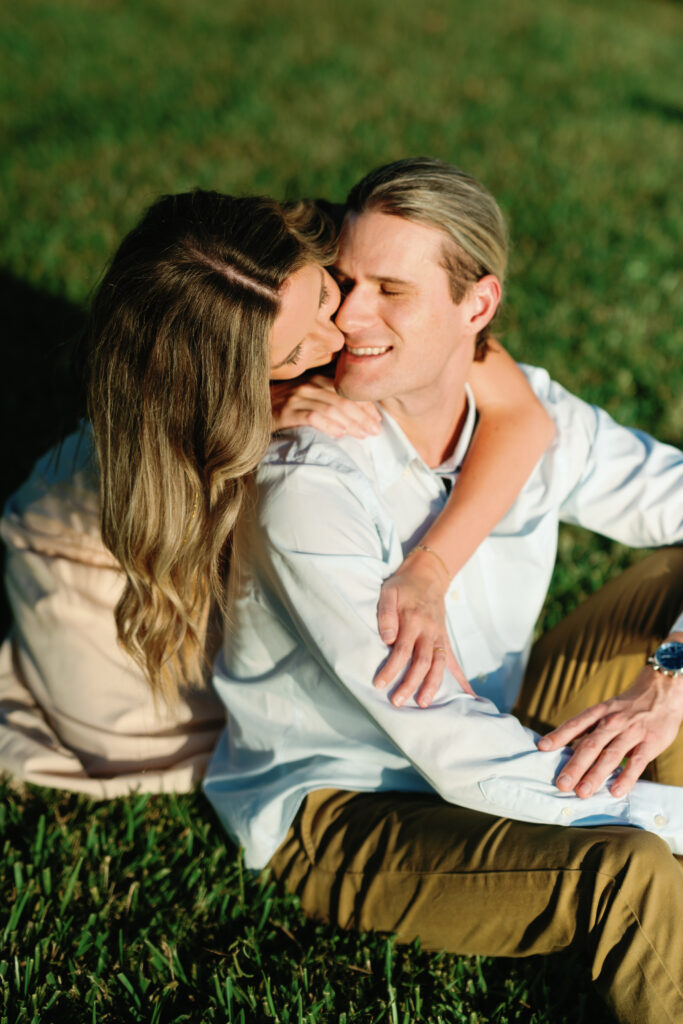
x=431, y=422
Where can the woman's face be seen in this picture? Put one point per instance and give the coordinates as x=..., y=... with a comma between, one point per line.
x=304, y=334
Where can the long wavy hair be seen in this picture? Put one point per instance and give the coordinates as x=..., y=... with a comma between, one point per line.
x=177, y=363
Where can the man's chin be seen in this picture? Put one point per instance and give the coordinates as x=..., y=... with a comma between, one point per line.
x=352, y=387
x=358, y=382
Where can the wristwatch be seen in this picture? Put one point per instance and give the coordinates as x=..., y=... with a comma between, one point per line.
x=668, y=658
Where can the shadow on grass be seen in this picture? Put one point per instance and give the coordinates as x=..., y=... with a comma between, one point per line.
x=39, y=393
x=648, y=105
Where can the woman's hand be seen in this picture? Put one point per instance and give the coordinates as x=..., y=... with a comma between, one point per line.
x=315, y=403
x=639, y=725
x=411, y=616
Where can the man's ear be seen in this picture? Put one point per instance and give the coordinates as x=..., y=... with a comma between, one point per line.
x=484, y=296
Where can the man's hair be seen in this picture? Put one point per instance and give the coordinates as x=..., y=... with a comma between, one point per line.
x=442, y=196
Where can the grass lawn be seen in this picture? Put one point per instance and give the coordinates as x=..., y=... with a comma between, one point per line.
x=571, y=113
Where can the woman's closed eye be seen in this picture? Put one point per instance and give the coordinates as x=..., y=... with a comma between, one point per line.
x=294, y=356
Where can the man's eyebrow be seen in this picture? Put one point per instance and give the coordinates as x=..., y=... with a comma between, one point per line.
x=385, y=279
x=380, y=278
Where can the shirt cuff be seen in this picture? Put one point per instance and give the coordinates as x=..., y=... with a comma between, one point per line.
x=678, y=624
x=659, y=809
x=654, y=807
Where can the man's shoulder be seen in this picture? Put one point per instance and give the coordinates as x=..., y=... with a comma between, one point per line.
x=306, y=446
x=575, y=419
x=560, y=402
x=304, y=471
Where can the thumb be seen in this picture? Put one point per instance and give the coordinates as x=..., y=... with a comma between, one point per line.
x=387, y=614
x=454, y=667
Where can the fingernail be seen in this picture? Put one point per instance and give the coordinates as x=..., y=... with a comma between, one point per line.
x=585, y=789
x=380, y=683
x=564, y=780
x=617, y=790
x=388, y=636
x=399, y=700
x=544, y=743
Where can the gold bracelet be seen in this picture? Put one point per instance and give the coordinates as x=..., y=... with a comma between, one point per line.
x=425, y=547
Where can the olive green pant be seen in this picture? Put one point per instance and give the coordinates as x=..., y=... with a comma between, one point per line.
x=468, y=882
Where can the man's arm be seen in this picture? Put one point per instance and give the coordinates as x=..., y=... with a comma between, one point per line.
x=321, y=556
x=632, y=490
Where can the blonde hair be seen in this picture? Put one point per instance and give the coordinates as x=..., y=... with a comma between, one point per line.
x=177, y=368
x=442, y=196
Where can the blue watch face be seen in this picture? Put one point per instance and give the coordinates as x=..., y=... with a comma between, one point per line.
x=670, y=655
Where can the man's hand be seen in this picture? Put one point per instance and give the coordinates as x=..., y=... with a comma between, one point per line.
x=315, y=403
x=411, y=616
x=638, y=724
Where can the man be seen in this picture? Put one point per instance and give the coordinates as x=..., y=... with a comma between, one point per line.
x=449, y=822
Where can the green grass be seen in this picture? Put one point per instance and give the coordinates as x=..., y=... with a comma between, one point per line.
x=571, y=113
x=138, y=910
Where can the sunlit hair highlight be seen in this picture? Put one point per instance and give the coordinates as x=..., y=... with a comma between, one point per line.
x=177, y=367
x=442, y=196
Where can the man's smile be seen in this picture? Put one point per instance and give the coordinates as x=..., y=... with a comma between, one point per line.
x=366, y=351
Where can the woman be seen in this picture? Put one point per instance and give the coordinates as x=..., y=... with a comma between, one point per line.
x=205, y=302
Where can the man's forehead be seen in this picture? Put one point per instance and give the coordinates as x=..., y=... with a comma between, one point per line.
x=388, y=245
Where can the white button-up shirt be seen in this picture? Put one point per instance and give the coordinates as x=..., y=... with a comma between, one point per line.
x=329, y=522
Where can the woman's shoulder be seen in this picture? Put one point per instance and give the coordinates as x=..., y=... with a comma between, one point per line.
x=56, y=511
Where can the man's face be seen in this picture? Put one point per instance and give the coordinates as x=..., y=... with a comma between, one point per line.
x=403, y=332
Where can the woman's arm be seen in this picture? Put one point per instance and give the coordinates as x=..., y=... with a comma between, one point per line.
x=513, y=432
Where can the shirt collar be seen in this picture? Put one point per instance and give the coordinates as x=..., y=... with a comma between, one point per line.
x=392, y=452
x=454, y=461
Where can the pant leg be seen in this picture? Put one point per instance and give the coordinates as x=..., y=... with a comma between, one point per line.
x=600, y=648
x=471, y=883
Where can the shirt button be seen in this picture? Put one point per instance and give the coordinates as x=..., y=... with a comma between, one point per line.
x=566, y=812
x=481, y=678
x=660, y=820
x=454, y=595
x=406, y=472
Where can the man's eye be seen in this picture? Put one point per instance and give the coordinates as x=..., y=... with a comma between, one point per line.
x=386, y=290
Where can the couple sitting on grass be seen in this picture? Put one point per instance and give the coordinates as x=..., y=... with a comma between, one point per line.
x=396, y=748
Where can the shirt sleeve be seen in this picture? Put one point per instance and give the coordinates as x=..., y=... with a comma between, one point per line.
x=630, y=488
x=321, y=559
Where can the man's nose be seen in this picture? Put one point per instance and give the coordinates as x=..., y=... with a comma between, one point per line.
x=354, y=312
